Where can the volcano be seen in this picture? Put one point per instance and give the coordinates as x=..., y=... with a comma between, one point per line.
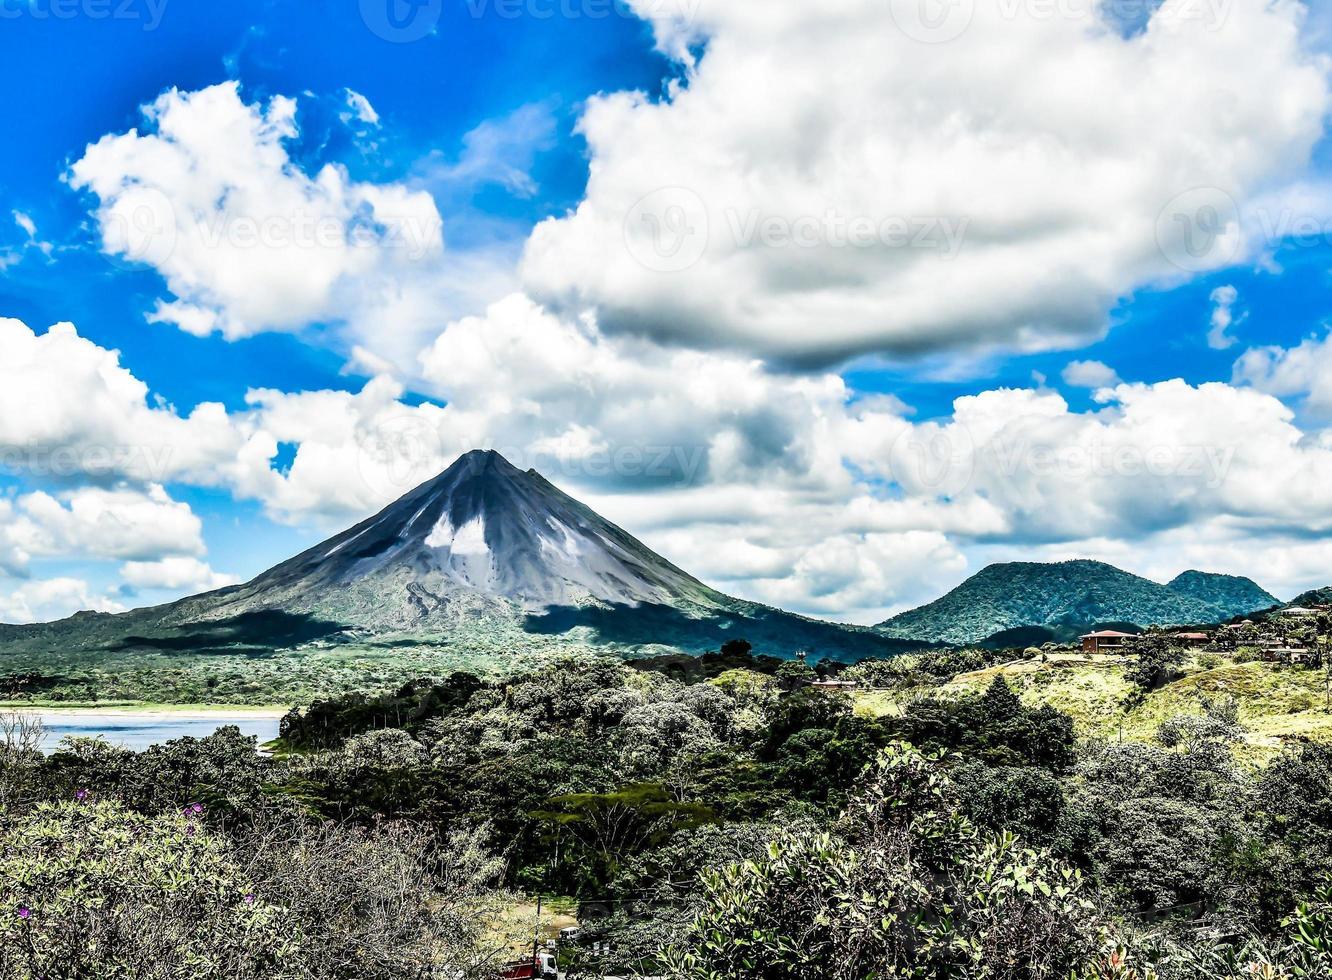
x=483, y=551
x=482, y=538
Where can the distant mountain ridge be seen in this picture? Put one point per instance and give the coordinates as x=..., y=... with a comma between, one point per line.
x=484, y=551
x=1234, y=595
x=1064, y=597
x=1314, y=597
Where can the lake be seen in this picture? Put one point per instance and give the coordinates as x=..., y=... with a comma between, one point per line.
x=139, y=729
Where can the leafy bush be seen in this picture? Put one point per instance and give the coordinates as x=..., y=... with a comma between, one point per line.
x=1156, y=662
x=902, y=886
x=91, y=889
x=994, y=727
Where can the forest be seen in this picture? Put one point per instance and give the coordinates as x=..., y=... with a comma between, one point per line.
x=710, y=817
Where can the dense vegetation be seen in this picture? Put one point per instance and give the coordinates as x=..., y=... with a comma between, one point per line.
x=712, y=818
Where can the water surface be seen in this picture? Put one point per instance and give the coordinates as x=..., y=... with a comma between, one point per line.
x=138, y=730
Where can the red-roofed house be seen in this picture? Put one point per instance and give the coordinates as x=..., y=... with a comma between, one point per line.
x=1104, y=641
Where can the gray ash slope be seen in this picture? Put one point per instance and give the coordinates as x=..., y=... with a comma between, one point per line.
x=484, y=548
x=483, y=537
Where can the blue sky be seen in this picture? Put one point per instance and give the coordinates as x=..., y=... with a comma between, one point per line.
x=83, y=77
x=806, y=376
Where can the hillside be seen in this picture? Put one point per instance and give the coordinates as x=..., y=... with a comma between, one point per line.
x=1277, y=703
x=1233, y=595
x=1065, y=598
x=1314, y=597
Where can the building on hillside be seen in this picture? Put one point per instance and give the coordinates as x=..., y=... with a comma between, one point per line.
x=1297, y=611
x=1293, y=654
x=1104, y=641
x=833, y=684
x=1193, y=639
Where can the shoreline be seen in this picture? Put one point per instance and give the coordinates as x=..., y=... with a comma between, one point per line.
x=143, y=709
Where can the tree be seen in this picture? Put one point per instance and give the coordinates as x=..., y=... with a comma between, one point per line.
x=1156, y=662
x=994, y=727
x=795, y=674
x=612, y=826
x=20, y=756
x=736, y=648
x=89, y=888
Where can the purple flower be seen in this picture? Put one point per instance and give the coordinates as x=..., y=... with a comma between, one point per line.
x=249, y=899
x=24, y=912
x=196, y=808
x=81, y=795
x=189, y=830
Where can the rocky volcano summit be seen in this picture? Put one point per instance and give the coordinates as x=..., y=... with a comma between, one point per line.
x=483, y=537
x=483, y=551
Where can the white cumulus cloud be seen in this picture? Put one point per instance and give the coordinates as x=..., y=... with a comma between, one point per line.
x=1223, y=318
x=90, y=522
x=51, y=599
x=822, y=183
x=179, y=574
x=1089, y=374
x=68, y=409
x=248, y=242
x=1303, y=371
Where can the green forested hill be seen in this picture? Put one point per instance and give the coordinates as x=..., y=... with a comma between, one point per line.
x=1233, y=594
x=1072, y=594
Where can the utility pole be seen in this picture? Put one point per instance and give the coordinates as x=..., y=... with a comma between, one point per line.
x=1327, y=672
x=536, y=936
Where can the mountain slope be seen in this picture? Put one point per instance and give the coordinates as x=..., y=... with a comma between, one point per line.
x=484, y=550
x=481, y=538
x=1232, y=595
x=1314, y=597
x=1065, y=597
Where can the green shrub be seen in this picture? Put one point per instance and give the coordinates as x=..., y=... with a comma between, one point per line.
x=89, y=889
x=903, y=886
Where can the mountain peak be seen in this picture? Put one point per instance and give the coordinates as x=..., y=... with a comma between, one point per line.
x=480, y=457
x=478, y=462
x=1233, y=594
x=484, y=535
